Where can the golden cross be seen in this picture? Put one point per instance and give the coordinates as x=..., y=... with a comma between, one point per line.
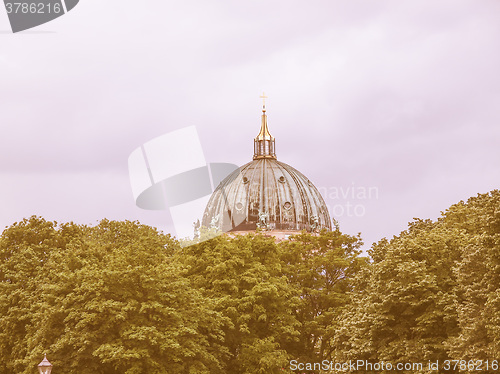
x=263, y=97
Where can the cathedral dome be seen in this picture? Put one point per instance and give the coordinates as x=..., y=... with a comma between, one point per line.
x=266, y=194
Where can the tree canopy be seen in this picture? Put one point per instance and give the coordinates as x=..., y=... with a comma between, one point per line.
x=107, y=299
x=431, y=293
x=121, y=297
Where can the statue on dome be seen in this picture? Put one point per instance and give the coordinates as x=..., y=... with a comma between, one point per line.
x=214, y=223
x=263, y=221
x=314, y=223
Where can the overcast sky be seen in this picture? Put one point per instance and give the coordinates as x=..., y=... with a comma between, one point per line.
x=399, y=98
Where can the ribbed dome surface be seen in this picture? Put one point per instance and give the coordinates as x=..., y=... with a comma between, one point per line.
x=269, y=194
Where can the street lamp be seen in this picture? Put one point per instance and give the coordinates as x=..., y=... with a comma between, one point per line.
x=45, y=367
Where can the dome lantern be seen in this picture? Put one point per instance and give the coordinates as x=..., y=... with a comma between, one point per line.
x=264, y=146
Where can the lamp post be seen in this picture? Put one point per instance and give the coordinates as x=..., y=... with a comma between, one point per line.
x=45, y=367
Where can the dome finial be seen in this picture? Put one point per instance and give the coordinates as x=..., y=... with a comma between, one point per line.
x=263, y=97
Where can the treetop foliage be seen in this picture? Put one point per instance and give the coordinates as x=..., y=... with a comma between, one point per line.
x=121, y=297
x=431, y=293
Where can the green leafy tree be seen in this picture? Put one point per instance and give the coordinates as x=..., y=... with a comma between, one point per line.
x=321, y=269
x=402, y=308
x=107, y=299
x=430, y=293
x=478, y=277
x=25, y=248
x=243, y=277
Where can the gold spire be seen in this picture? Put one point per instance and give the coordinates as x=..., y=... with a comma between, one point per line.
x=264, y=133
x=264, y=142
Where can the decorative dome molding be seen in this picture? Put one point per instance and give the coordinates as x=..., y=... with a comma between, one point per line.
x=268, y=194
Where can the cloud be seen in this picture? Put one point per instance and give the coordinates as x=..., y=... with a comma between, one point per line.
x=401, y=96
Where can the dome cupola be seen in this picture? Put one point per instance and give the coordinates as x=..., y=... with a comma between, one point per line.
x=264, y=145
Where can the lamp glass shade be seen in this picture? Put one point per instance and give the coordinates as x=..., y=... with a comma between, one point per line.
x=45, y=367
